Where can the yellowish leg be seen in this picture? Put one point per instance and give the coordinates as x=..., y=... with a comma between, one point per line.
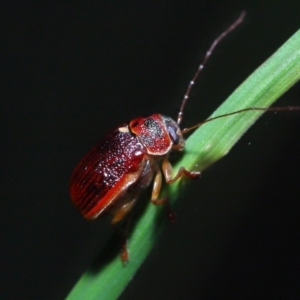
x=123, y=210
x=168, y=170
x=156, y=189
x=119, y=215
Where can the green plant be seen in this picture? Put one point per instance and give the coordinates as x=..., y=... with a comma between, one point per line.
x=204, y=147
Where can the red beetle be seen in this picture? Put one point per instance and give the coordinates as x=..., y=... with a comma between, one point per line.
x=110, y=177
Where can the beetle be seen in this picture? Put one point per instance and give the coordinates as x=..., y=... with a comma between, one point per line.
x=112, y=174
x=110, y=177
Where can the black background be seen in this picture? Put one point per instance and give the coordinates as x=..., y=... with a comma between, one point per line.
x=72, y=72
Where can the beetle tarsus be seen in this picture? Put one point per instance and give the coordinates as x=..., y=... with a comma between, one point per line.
x=184, y=171
x=159, y=201
x=124, y=255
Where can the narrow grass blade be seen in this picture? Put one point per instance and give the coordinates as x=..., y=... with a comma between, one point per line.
x=207, y=144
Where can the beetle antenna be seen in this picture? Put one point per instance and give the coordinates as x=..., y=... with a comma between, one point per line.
x=206, y=57
x=184, y=131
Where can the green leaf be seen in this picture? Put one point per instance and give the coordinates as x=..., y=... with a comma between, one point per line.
x=204, y=147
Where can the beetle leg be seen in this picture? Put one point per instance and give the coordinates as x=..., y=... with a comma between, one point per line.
x=124, y=255
x=156, y=185
x=124, y=209
x=155, y=193
x=156, y=189
x=167, y=170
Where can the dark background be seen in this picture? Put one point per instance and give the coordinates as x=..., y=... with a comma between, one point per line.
x=72, y=72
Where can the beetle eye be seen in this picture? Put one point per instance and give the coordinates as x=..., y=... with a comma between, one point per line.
x=174, y=136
